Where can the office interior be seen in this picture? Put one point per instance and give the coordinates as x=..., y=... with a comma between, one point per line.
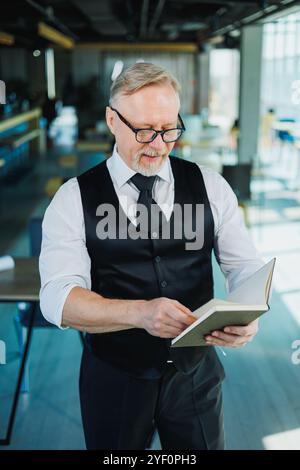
x=239, y=66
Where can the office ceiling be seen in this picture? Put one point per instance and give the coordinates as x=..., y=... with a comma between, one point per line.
x=131, y=20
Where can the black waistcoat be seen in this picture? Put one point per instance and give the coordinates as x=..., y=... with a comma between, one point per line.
x=147, y=269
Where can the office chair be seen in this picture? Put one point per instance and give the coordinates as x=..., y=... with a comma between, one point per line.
x=239, y=178
x=285, y=136
x=286, y=140
x=25, y=309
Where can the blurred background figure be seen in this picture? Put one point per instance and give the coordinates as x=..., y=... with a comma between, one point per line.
x=234, y=136
x=268, y=120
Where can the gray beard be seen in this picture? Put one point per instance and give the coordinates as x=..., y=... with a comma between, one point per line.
x=150, y=170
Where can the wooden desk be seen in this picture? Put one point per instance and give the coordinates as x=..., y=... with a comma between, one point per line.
x=216, y=144
x=93, y=146
x=34, y=135
x=284, y=126
x=20, y=284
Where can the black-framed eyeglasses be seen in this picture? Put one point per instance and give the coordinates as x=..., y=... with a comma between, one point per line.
x=144, y=136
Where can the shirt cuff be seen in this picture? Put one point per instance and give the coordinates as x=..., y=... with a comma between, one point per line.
x=53, y=313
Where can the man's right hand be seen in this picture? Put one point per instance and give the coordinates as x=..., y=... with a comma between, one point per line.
x=163, y=317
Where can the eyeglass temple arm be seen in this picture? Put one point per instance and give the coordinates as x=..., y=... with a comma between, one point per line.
x=181, y=122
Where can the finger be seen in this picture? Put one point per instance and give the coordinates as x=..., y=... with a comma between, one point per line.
x=226, y=338
x=211, y=341
x=177, y=314
x=170, y=332
x=248, y=330
x=174, y=323
x=182, y=307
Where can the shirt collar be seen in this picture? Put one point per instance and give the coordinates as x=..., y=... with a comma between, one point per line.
x=122, y=172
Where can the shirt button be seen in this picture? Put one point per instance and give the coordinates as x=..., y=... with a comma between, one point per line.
x=154, y=234
x=163, y=284
x=157, y=259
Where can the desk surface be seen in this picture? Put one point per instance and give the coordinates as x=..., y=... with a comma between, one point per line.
x=19, y=118
x=21, y=283
x=292, y=128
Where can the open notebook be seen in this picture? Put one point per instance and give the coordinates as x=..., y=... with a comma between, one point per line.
x=243, y=305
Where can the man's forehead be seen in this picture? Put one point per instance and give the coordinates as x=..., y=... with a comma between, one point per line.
x=150, y=117
x=162, y=94
x=150, y=106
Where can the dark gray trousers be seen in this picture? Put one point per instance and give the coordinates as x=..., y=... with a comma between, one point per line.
x=120, y=412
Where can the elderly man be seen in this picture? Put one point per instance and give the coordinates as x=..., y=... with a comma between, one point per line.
x=133, y=294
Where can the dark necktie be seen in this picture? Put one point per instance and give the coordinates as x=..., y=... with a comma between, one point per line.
x=145, y=184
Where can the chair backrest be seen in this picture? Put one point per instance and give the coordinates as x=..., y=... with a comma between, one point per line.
x=239, y=178
x=35, y=235
x=286, y=136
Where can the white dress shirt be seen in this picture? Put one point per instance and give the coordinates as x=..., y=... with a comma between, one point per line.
x=64, y=260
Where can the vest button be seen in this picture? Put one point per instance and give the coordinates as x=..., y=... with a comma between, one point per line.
x=163, y=284
x=157, y=259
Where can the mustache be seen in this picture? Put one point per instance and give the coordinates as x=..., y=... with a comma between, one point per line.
x=151, y=153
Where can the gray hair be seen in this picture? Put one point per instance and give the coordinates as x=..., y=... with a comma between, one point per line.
x=140, y=75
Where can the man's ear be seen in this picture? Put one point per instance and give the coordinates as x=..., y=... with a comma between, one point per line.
x=110, y=119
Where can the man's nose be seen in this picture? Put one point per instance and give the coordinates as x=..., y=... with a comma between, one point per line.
x=157, y=143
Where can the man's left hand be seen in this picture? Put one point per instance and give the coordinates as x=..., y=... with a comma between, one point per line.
x=233, y=336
